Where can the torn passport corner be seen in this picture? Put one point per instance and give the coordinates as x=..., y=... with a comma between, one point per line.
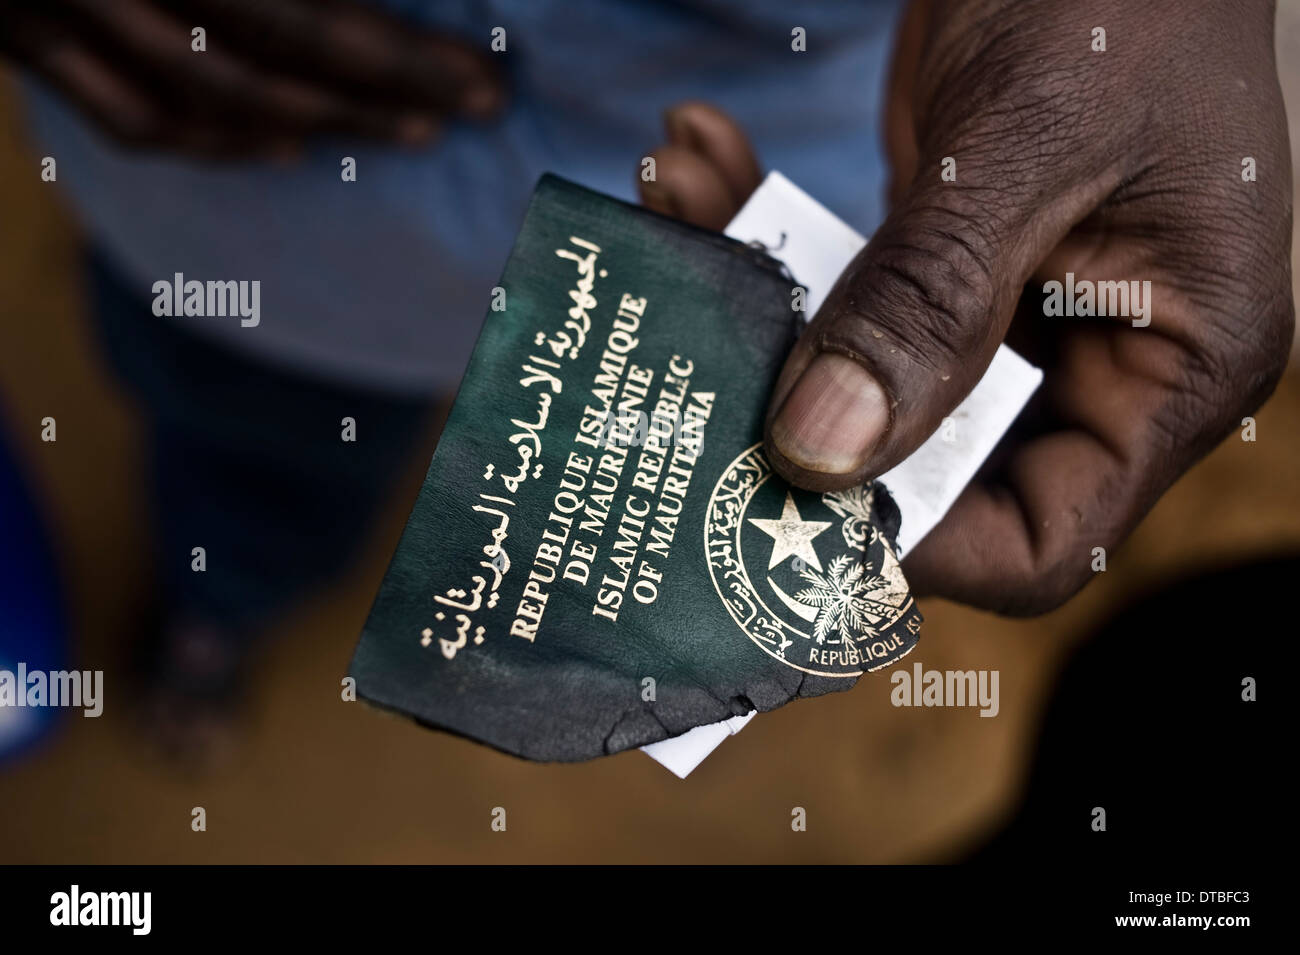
x=816, y=247
x=601, y=556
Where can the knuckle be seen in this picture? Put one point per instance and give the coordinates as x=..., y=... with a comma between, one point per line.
x=929, y=289
x=1249, y=353
x=1058, y=562
x=1042, y=588
x=1268, y=350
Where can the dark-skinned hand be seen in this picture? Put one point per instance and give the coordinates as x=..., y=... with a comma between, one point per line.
x=1117, y=165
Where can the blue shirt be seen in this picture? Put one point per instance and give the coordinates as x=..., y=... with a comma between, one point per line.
x=384, y=281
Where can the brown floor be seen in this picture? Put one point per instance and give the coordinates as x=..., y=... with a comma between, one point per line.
x=320, y=780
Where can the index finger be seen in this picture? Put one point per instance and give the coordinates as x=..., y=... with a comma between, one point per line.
x=1125, y=420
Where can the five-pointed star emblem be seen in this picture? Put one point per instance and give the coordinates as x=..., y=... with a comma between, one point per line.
x=791, y=535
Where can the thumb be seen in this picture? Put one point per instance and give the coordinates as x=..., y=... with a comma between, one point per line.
x=913, y=322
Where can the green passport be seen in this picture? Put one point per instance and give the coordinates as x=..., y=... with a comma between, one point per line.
x=600, y=556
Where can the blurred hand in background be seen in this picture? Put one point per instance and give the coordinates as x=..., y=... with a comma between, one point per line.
x=271, y=74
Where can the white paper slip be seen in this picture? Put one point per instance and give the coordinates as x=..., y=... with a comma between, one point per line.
x=925, y=485
x=681, y=754
x=816, y=247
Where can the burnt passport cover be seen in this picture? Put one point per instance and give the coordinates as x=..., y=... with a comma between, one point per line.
x=600, y=556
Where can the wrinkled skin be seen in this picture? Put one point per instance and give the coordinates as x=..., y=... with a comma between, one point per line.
x=1116, y=165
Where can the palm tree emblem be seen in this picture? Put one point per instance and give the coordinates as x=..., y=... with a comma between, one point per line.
x=843, y=596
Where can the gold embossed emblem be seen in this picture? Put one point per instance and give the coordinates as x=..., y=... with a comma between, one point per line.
x=808, y=577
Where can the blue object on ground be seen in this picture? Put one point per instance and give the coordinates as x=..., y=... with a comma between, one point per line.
x=32, y=628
